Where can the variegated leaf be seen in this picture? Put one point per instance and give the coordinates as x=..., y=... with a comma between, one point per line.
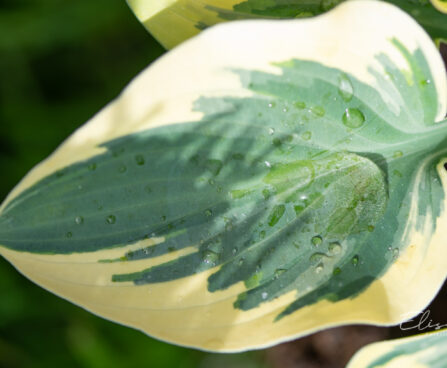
x=252, y=185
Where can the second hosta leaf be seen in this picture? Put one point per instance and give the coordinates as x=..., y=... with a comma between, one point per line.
x=265, y=189
x=428, y=350
x=173, y=21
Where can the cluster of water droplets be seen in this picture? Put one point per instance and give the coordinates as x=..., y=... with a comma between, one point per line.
x=110, y=219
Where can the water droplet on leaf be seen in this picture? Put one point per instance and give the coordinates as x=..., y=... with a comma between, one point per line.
x=209, y=257
x=276, y=214
x=345, y=88
x=316, y=257
x=266, y=193
x=319, y=268
x=279, y=272
x=334, y=248
x=318, y=111
x=306, y=136
x=353, y=118
x=317, y=240
x=336, y=271
x=139, y=160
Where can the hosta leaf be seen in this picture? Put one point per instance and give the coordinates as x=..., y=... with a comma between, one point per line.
x=173, y=21
x=246, y=190
x=425, y=351
x=441, y=5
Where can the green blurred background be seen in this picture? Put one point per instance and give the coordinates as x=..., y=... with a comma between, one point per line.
x=60, y=62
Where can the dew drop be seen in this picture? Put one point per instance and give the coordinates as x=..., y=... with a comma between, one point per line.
x=398, y=154
x=279, y=272
x=355, y=260
x=214, y=166
x=316, y=257
x=334, y=248
x=79, y=220
x=345, y=88
x=239, y=193
x=317, y=240
x=69, y=234
x=209, y=257
x=208, y=213
x=268, y=164
x=277, y=142
x=266, y=193
x=111, y=219
x=298, y=210
x=241, y=262
x=139, y=160
x=300, y=105
x=306, y=136
x=318, y=111
x=271, y=131
x=234, y=251
x=336, y=271
x=396, y=253
x=264, y=295
x=319, y=268
x=276, y=214
x=371, y=228
x=272, y=104
x=353, y=118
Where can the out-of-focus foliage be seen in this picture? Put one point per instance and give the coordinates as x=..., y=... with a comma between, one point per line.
x=61, y=61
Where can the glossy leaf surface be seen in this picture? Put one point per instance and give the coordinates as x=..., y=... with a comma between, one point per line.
x=173, y=21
